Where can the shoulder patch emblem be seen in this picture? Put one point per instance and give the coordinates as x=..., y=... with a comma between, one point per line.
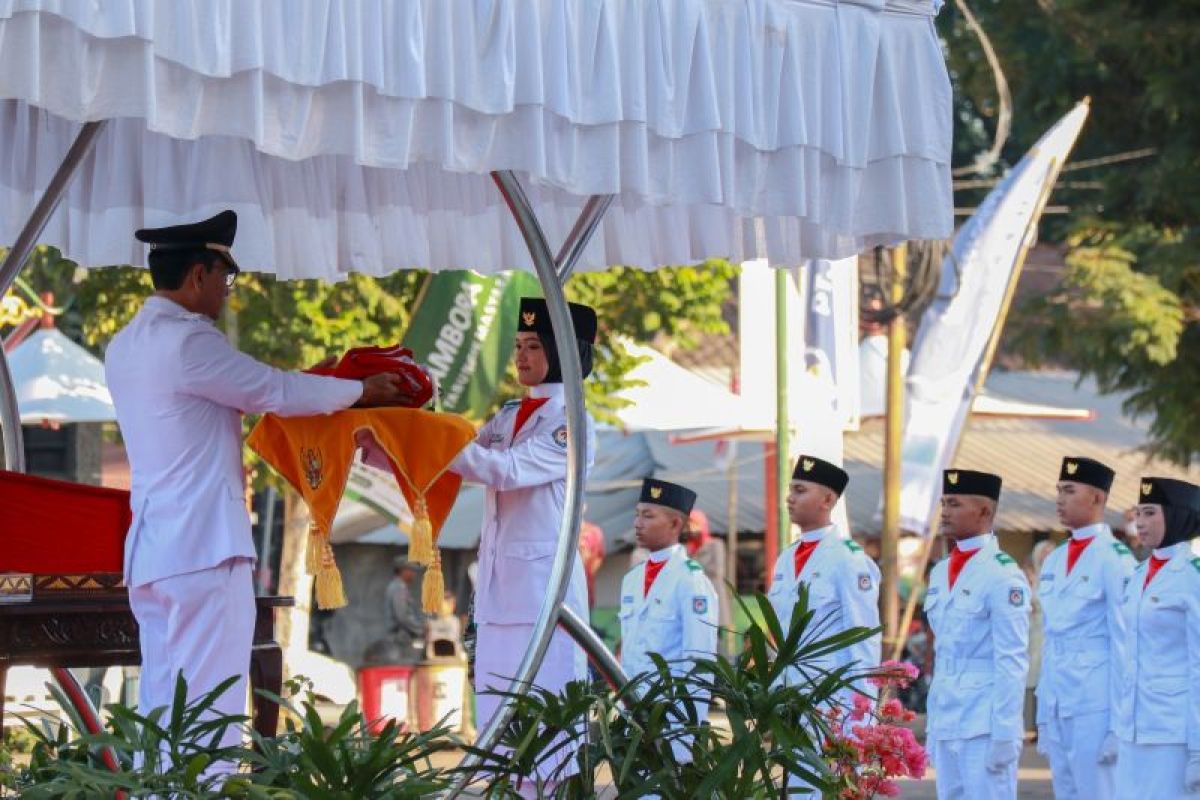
x=1196, y=564
x=512, y=403
x=1121, y=549
x=694, y=566
x=852, y=546
x=1063, y=543
x=1016, y=596
x=700, y=605
x=1004, y=558
x=864, y=581
x=560, y=436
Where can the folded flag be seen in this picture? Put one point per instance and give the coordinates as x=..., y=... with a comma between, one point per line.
x=314, y=454
x=363, y=362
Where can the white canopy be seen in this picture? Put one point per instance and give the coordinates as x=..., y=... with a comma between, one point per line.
x=360, y=135
x=56, y=380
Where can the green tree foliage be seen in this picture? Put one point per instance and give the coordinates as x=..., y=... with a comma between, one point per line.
x=1128, y=309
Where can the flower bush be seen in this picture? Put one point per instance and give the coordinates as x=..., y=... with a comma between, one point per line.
x=868, y=744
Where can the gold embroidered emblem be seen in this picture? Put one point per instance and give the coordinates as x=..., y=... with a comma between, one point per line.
x=313, y=463
x=952, y=477
x=656, y=492
x=1147, y=488
x=529, y=317
x=807, y=464
x=1072, y=467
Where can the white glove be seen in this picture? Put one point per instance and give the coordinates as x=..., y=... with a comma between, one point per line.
x=1001, y=754
x=1191, y=775
x=1108, y=750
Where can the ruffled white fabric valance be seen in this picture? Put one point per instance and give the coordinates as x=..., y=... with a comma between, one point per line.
x=359, y=135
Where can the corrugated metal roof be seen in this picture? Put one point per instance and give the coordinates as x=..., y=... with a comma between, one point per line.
x=1027, y=453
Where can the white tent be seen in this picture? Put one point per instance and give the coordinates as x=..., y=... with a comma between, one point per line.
x=56, y=380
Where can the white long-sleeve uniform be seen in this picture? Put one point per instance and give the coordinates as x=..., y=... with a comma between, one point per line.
x=981, y=630
x=180, y=388
x=1081, y=656
x=1158, y=717
x=525, y=476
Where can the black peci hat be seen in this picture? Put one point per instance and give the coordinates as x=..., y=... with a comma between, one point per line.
x=1087, y=471
x=968, y=481
x=535, y=318
x=670, y=495
x=820, y=471
x=1169, y=492
x=215, y=233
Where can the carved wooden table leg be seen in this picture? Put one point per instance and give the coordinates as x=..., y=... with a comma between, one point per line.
x=266, y=672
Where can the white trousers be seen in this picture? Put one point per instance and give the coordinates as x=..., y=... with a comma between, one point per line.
x=962, y=773
x=1072, y=745
x=498, y=652
x=1151, y=772
x=200, y=624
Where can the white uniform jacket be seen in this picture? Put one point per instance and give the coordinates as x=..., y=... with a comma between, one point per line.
x=1160, y=701
x=526, y=480
x=843, y=593
x=981, y=657
x=677, y=619
x=180, y=389
x=1084, y=629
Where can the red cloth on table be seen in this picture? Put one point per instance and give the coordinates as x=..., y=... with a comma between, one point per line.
x=50, y=527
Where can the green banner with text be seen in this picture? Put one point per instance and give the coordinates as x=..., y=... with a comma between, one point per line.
x=463, y=331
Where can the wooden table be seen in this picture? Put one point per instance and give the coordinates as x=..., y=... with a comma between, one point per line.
x=101, y=632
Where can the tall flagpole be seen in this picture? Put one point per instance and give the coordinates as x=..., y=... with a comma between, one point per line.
x=889, y=597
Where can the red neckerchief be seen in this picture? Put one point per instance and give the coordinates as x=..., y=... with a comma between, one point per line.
x=1155, y=565
x=958, y=560
x=652, y=570
x=802, y=553
x=1075, y=548
x=528, y=406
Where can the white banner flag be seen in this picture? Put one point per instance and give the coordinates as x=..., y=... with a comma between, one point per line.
x=948, y=354
x=831, y=332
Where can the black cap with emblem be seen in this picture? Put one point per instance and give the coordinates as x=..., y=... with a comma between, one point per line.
x=176, y=247
x=1087, y=471
x=968, y=481
x=534, y=317
x=1180, y=503
x=822, y=472
x=670, y=495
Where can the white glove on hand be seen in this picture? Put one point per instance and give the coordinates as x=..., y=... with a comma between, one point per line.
x=1108, y=750
x=1001, y=754
x=1191, y=775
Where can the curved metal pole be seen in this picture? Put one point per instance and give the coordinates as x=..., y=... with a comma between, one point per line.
x=568, y=534
x=87, y=712
x=10, y=418
x=603, y=660
x=581, y=234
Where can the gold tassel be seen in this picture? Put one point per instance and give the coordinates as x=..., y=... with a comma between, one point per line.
x=312, y=555
x=420, y=544
x=433, y=588
x=330, y=592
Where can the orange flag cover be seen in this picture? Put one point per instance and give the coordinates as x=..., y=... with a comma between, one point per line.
x=314, y=455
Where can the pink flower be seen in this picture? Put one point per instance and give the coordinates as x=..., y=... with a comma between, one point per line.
x=862, y=707
x=900, y=673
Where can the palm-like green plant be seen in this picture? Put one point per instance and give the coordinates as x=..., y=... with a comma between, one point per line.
x=648, y=741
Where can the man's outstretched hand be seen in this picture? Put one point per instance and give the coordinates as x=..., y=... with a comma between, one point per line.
x=385, y=389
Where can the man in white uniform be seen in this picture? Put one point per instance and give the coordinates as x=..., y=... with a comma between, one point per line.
x=180, y=389
x=978, y=607
x=668, y=605
x=1080, y=589
x=842, y=581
